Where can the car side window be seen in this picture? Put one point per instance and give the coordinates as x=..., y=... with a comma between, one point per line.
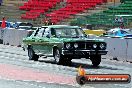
x=39, y=32
x=35, y=32
x=47, y=33
x=53, y=32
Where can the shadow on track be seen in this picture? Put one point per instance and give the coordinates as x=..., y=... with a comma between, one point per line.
x=77, y=64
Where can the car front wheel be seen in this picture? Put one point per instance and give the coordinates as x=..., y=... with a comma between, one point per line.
x=95, y=60
x=57, y=56
x=32, y=55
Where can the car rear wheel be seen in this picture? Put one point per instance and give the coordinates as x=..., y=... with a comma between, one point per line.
x=32, y=55
x=96, y=59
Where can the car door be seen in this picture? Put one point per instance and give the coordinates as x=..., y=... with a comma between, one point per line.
x=46, y=43
x=42, y=42
x=31, y=39
x=36, y=40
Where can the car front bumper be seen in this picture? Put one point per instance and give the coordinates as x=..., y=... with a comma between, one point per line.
x=83, y=53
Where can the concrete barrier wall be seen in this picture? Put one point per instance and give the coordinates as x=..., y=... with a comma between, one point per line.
x=129, y=50
x=2, y=33
x=13, y=36
x=119, y=48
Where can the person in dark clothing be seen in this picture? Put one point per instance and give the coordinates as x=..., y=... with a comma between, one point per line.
x=122, y=1
x=0, y=2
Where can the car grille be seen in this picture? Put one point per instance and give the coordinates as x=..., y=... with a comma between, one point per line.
x=85, y=45
x=88, y=45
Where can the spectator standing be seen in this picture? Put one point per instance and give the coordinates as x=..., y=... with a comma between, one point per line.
x=3, y=25
x=121, y=22
x=116, y=20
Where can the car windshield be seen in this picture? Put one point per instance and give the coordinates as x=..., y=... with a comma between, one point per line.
x=69, y=32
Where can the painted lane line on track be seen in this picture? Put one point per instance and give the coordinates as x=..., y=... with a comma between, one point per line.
x=24, y=53
x=22, y=82
x=13, y=72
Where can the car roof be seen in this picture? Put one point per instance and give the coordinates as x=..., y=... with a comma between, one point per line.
x=61, y=26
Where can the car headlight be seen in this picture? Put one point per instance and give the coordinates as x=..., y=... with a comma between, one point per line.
x=94, y=46
x=102, y=46
x=76, y=45
x=68, y=45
